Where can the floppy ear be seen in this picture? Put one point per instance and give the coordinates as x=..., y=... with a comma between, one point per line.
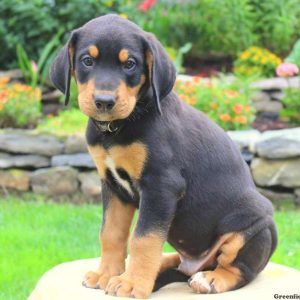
x=62, y=67
x=162, y=73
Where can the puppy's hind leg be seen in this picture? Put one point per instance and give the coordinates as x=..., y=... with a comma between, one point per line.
x=242, y=256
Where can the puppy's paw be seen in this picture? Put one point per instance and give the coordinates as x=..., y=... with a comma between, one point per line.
x=126, y=286
x=200, y=284
x=99, y=279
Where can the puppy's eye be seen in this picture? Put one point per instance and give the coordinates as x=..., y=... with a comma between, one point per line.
x=130, y=64
x=87, y=61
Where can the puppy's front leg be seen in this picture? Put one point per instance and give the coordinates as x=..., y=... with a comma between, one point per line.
x=157, y=210
x=117, y=218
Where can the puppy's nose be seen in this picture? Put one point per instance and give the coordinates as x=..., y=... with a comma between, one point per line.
x=105, y=101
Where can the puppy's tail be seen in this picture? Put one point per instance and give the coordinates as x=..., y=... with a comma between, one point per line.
x=169, y=276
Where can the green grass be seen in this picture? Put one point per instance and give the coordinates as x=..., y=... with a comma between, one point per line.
x=71, y=121
x=35, y=236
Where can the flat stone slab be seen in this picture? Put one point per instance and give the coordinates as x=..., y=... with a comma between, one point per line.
x=83, y=160
x=277, y=83
x=26, y=143
x=22, y=161
x=275, y=144
x=14, y=179
x=245, y=139
x=90, y=183
x=64, y=282
x=75, y=144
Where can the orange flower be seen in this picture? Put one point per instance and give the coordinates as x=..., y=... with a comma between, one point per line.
x=240, y=119
x=238, y=108
x=4, y=81
x=197, y=79
x=214, y=105
x=247, y=108
x=225, y=117
x=231, y=93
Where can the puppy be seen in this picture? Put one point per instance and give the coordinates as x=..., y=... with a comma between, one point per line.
x=157, y=154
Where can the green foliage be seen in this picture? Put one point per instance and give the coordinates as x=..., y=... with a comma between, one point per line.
x=291, y=102
x=34, y=23
x=70, y=121
x=178, y=55
x=277, y=23
x=294, y=56
x=20, y=105
x=227, y=103
x=256, y=61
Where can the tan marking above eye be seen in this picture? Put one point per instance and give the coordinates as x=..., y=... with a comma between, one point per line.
x=123, y=55
x=93, y=51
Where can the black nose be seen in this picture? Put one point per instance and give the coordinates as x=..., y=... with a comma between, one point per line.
x=105, y=101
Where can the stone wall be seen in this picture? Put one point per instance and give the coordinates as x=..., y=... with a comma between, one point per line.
x=60, y=166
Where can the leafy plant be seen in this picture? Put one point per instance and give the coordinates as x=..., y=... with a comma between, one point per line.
x=19, y=105
x=32, y=72
x=256, y=61
x=227, y=103
x=291, y=102
x=294, y=56
x=177, y=56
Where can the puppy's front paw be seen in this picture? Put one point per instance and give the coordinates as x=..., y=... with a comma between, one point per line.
x=99, y=279
x=126, y=286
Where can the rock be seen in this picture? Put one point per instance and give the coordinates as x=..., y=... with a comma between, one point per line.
x=268, y=106
x=260, y=97
x=283, y=143
x=284, y=172
x=26, y=143
x=277, y=197
x=13, y=74
x=21, y=161
x=52, y=96
x=297, y=193
x=64, y=281
x=90, y=183
x=83, y=160
x=276, y=83
x=247, y=156
x=245, y=138
x=15, y=180
x=277, y=96
x=75, y=144
x=54, y=181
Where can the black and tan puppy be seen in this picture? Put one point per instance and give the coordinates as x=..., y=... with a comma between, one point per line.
x=155, y=153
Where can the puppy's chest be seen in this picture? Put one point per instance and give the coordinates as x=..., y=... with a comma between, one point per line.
x=121, y=167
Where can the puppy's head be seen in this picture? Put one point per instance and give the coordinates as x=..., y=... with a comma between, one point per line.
x=114, y=62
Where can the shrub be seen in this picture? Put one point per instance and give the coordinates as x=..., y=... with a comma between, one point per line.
x=294, y=56
x=256, y=61
x=291, y=102
x=19, y=105
x=225, y=103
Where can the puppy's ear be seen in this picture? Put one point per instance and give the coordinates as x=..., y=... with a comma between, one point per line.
x=162, y=73
x=62, y=67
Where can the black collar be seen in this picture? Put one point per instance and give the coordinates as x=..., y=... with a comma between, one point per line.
x=108, y=126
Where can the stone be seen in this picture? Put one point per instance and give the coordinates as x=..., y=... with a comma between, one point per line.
x=277, y=95
x=277, y=83
x=245, y=139
x=247, y=156
x=26, y=143
x=90, y=183
x=12, y=74
x=277, y=197
x=283, y=143
x=82, y=160
x=75, y=144
x=64, y=282
x=14, y=180
x=54, y=181
x=22, y=161
x=284, y=172
x=260, y=96
x=52, y=96
x=297, y=193
x=268, y=106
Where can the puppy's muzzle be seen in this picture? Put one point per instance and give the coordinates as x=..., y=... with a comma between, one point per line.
x=105, y=102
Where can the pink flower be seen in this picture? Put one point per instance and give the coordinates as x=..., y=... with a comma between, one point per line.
x=34, y=66
x=287, y=70
x=146, y=5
